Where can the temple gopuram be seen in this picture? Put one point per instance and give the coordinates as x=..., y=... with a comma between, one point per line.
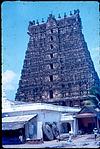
x=57, y=68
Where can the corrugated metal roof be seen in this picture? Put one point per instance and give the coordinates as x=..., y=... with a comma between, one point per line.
x=22, y=118
x=15, y=122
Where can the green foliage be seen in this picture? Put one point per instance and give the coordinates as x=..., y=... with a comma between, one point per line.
x=95, y=91
x=88, y=103
x=94, y=98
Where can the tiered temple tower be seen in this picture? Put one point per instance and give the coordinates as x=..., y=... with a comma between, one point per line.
x=57, y=66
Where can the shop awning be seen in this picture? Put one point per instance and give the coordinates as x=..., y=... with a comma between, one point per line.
x=12, y=125
x=83, y=115
x=67, y=118
x=15, y=122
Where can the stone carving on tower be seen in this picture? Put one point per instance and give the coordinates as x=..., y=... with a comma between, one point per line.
x=57, y=67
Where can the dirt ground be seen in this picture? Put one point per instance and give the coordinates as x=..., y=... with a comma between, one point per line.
x=80, y=141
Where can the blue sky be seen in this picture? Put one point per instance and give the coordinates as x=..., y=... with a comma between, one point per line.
x=15, y=19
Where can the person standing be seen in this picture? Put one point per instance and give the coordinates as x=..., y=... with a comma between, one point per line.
x=95, y=130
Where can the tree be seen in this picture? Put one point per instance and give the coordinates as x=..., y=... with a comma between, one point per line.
x=87, y=102
x=95, y=96
x=93, y=99
x=96, y=92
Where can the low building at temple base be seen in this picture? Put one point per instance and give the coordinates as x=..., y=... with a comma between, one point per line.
x=48, y=118
x=87, y=119
x=15, y=128
x=42, y=121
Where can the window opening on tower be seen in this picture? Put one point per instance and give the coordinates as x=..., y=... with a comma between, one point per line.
x=51, y=38
x=51, y=55
x=51, y=94
x=51, y=66
x=51, y=46
x=51, y=30
x=51, y=78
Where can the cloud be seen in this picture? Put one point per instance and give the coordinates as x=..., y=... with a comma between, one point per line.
x=9, y=80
